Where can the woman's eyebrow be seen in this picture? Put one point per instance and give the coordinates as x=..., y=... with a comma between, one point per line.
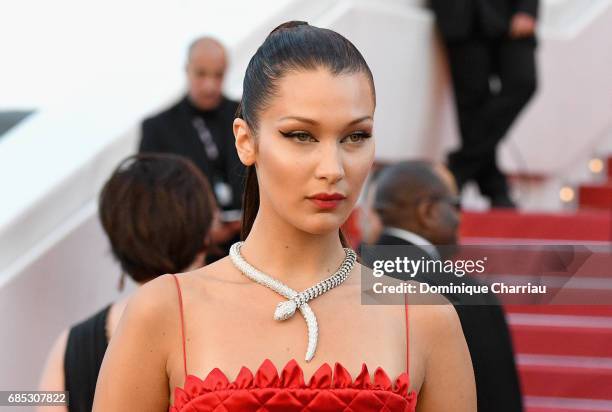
x=300, y=119
x=360, y=119
x=314, y=122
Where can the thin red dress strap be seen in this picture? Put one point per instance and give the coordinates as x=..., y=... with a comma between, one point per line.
x=407, y=335
x=180, y=298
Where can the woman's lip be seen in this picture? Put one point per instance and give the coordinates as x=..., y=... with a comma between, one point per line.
x=328, y=196
x=326, y=204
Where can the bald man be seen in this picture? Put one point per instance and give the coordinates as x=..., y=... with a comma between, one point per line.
x=418, y=205
x=205, y=68
x=199, y=127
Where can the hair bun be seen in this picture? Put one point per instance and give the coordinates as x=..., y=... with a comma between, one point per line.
x=289, y=25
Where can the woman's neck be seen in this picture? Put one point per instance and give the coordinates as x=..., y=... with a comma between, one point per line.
x=294, y=257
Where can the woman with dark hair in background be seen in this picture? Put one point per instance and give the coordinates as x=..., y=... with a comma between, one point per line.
x=305, y=133
x=157, y=211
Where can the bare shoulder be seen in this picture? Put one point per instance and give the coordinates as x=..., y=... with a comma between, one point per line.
x=435, y=323
x=204, y=280
x=156, y=294
x=449, y=379
x=154, y=303
x=53, y=375
x=198, y=288
x=59, y=346
x=435, y=319
x=133, y=375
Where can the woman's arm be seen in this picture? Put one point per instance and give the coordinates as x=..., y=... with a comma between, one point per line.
x=133, y=376
x=449, y=377
x=53, y=374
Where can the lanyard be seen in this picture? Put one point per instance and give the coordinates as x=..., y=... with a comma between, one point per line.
x=223, y=191
x=206, y=137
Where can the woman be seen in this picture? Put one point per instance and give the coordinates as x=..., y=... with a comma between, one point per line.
x=211, y=339
x=156, y=211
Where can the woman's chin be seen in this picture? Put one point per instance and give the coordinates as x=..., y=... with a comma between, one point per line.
x=322, y=225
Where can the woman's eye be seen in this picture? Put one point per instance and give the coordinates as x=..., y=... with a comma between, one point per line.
x=299, y=136
x=302, y=137
x=357, y=137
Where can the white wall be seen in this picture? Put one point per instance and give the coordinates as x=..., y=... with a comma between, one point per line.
x=571, y=113
x=72, y=276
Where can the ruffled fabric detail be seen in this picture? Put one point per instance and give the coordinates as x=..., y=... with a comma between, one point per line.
x=291, y=377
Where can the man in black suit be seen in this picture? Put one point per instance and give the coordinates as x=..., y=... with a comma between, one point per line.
x=199, y=127
x=418, y=205
x=487, y=40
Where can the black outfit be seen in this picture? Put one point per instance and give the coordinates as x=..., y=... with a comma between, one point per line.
x=87, y=343
x=207, y=138
x=185, y=130
x=486, y=333
x=479, y=48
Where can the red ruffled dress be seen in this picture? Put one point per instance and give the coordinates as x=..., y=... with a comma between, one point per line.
x=264, y=391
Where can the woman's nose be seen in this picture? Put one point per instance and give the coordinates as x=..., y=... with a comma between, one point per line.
x=330, y=163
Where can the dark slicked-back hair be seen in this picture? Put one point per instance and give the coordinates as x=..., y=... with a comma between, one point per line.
x=156, y=210
x=292, y=46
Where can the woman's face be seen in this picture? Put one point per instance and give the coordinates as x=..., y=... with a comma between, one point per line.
x=314, y=148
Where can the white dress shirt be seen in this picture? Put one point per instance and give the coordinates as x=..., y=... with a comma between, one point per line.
x=415, y=239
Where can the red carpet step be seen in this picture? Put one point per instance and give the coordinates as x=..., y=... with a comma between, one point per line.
x=595, y=196
x=566, y=377
x=592, y=225
x=550, y=404
x=562, y=335
x=584, y=310
x=564, y=352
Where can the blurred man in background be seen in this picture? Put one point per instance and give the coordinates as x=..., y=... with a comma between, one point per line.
x=199, y=127
x=418, y=204
x=487, y=40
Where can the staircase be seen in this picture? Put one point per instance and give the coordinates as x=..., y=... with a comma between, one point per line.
x=563, y=352
x=597, y=196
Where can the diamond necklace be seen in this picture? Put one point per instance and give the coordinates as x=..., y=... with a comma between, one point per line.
x=295, y=300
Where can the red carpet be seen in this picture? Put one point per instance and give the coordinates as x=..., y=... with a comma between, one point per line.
x=580, y=382
x=595, y=196
x=585, y=225
x=564, y=352
x=591, y=310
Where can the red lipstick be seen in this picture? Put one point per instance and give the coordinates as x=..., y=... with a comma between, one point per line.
x=327, y=200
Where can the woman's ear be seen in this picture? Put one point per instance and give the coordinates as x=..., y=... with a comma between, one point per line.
x=245, y=142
